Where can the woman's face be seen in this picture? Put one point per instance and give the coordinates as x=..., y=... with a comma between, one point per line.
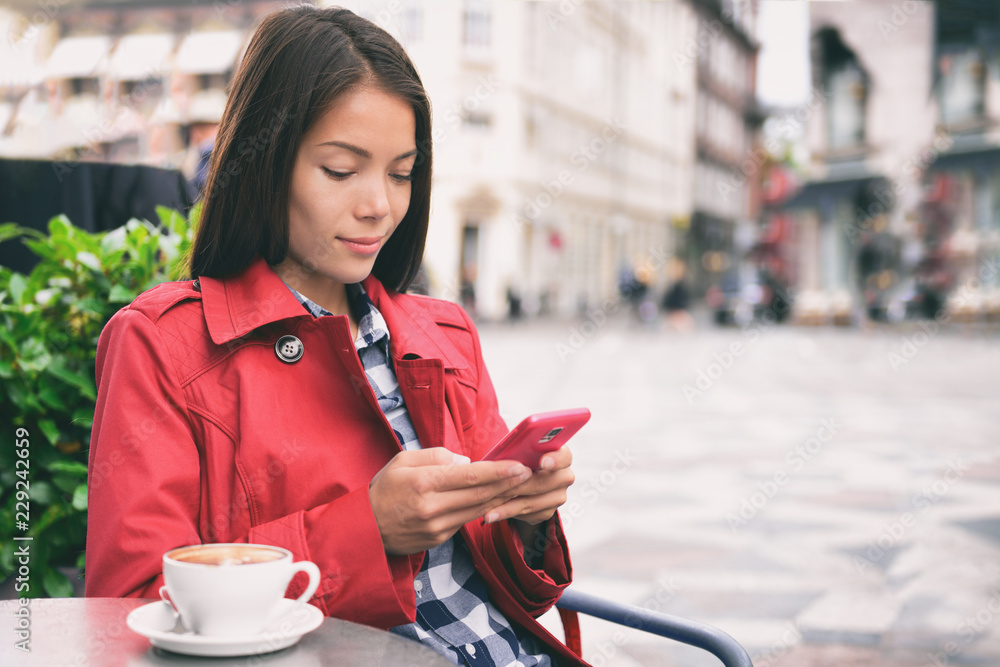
x=350, y=188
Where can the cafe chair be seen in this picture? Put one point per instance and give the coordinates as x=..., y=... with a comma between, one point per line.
x=683, y=630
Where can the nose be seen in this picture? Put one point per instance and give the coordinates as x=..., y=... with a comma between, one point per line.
x=374, y=201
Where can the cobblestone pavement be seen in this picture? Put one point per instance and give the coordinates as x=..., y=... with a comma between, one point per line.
x=825, y=496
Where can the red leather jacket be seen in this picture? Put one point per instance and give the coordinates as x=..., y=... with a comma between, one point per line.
x=203, y=433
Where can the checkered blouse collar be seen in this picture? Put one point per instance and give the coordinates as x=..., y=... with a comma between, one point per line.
x=371, y=325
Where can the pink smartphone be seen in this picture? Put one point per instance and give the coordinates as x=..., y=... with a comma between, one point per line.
x=540, y=433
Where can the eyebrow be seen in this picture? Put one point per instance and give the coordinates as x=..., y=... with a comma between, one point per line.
x=362, y=152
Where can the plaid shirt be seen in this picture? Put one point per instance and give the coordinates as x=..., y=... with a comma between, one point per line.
x=454, y=614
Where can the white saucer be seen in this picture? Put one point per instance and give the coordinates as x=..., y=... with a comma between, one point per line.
x=156, y=619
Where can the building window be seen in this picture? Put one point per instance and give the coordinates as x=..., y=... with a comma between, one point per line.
x=846, y=84
x=83, y=86
x=961, y=86
x=476, y=22
x=478, y=120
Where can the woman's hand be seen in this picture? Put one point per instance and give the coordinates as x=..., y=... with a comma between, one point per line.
x=422, y=497
x=538, y=498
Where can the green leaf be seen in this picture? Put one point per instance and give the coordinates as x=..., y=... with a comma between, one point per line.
x=69, y=467
x=81, y=561
x=89, y=260
x=113, y=241
x=60, y=227
x=121, y=294
x=52, y=515
x=65, y=483
x=43, y=494
x=78, y=380
x=50, y=397
x=33, y=355
x=50, y=430
x=56, y=584
x=43, y=249
x=83, y=417
x=16, y=288
x=172, y=220
x=11, y=230
x=80, y=498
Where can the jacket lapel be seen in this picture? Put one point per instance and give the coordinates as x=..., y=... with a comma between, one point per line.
x=236, y=305
x=421, y=354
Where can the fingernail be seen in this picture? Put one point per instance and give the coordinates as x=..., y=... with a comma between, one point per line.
x=548, y=463
x=491, y=517
x=457, y=459
x=516, y=470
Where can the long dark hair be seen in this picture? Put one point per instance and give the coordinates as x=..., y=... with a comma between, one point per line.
x=300, y=60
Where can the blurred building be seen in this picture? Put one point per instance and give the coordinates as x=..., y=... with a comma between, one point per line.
x=901, y=210
x=563, y=144
x=728, y=157
x=116, y=80
x=576, y=142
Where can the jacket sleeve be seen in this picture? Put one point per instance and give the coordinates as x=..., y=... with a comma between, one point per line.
x=146, y=483
x=536, y=590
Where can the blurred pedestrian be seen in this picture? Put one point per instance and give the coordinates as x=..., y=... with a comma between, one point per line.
x=677, y=300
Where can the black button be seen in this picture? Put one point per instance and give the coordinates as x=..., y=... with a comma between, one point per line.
x=289, y=349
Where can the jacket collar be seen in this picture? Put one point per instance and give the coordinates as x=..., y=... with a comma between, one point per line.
x=413, y=328
x=236, y=305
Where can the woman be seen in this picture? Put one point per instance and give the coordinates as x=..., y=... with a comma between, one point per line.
x=293, y=395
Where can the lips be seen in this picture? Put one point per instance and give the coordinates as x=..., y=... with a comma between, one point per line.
x=362, y=245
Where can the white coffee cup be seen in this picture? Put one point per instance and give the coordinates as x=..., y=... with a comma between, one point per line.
x=231, y=590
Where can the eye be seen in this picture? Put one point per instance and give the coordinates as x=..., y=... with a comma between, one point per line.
x=403, y=178
x=336, y=175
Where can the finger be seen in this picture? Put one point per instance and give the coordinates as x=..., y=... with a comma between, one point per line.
x=561, y=458
x=428, y=456
x=523, y=507
x=508, y=473
x=444, y=524
x=545, y=481
x=472, y=501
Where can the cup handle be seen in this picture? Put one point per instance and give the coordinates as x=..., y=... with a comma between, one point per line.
x=165, y=596
x=179, y=624
x=309, y=568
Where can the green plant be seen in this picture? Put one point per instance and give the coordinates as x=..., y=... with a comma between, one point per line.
x=50, y=321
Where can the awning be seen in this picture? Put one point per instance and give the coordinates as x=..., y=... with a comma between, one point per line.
x=140, y=57
x=77, y=57
x=17, y=64
x=209, y=52
x=987, y=159
x=207, y=106
x=817, y=193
